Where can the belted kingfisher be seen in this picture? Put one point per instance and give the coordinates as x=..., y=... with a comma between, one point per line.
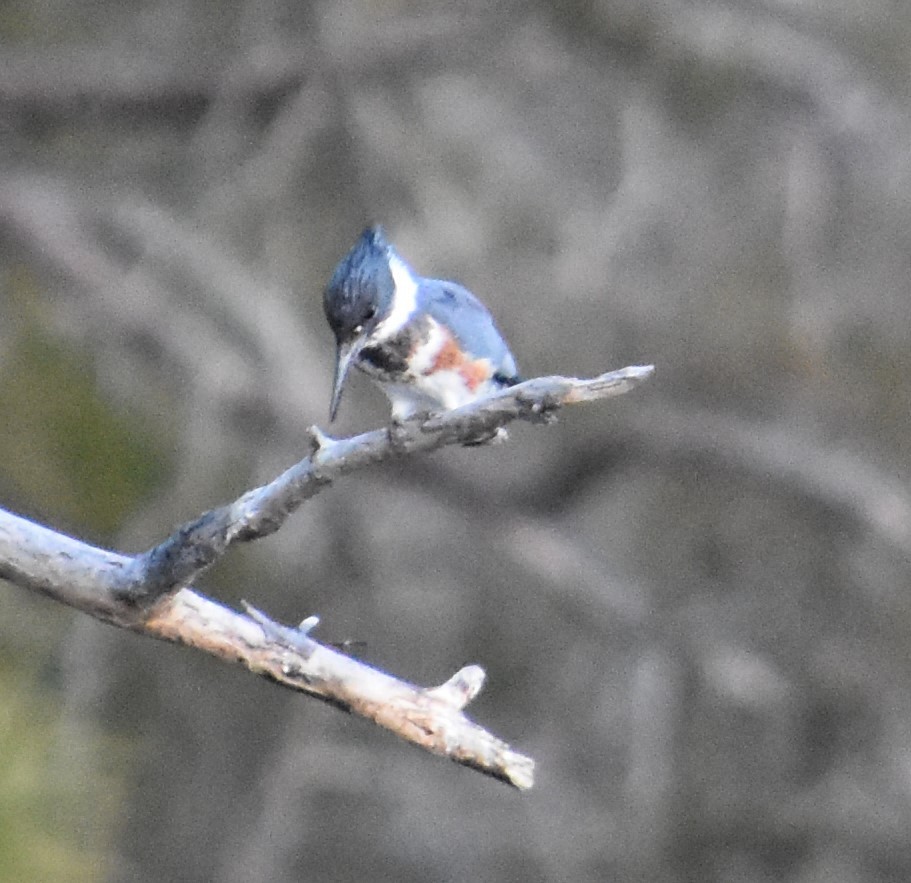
x=430, y=345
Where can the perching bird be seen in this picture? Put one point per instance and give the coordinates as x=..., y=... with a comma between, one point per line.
x=430, y=345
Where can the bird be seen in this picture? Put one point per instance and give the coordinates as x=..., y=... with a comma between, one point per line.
x=429, y=344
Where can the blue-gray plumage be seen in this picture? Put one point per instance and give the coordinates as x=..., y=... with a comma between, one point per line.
x=430, y=344
x=469, y=322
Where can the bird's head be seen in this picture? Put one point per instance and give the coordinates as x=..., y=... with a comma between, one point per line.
x=358, y=297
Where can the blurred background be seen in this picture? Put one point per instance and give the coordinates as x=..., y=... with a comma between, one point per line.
x=692, y=602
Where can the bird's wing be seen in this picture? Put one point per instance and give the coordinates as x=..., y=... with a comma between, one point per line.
x=456, y=307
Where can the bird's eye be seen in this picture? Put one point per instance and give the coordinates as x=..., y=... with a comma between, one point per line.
x=371, y=312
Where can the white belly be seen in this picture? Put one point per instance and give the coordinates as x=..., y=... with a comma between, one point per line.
x=441, y=391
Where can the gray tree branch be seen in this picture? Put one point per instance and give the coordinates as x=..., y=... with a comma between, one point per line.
x=149, y=593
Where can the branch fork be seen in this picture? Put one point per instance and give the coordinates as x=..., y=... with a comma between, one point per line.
x=150, y=594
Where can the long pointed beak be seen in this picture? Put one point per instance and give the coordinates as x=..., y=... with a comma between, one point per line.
x=345, y=354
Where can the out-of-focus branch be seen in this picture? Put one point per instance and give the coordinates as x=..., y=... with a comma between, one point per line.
x=779, y=53
x=139, y=592
x=801, y=465
x=62, y=79
x=49, y=218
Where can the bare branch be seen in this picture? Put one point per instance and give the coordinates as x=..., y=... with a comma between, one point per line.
x=89, y=579
x=138, y=592
x=431, y=718
x=262, y=511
